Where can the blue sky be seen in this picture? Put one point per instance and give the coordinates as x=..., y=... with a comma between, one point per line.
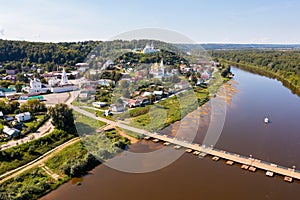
x=217, y=21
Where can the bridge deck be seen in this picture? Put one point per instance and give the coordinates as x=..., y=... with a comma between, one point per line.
x=259, y=164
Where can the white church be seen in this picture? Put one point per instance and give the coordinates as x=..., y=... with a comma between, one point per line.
x=150, y=49
x=158, y=70
x=35, y=86
x=55, y=85
x=61, y=85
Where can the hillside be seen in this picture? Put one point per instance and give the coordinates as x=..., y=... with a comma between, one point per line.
x=22, y=55
x=135, y=58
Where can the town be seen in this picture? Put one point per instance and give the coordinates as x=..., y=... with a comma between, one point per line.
x=95, y=88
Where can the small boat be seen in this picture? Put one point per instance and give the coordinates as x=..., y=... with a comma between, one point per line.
x=266, y=120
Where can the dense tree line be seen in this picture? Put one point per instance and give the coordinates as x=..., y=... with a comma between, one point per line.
x=21, y=55
x=281, y=64
x=170, y=58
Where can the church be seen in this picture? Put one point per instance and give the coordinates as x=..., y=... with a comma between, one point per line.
x=150, y=49
x=158, y=70
x=62, y=85
x=35, y=86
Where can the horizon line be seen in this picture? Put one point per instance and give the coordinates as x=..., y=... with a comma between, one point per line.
x=197, y=43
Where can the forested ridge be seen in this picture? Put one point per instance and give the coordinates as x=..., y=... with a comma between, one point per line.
x=281, y=64
x=21, y=55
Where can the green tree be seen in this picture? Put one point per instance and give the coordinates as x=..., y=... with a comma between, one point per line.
x=18, y=86
x=62, y=117
x=5, y=83
x=33, y=106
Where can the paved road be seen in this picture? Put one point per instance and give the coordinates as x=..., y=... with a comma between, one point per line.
x=41, y=132
x=47, y=127
x=121, y=125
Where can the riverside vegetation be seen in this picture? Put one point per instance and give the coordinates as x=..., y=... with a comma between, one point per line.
x=74, y=160
x=283, y=65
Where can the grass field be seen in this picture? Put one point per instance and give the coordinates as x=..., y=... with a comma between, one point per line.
x=19, y=155
x=86, y=125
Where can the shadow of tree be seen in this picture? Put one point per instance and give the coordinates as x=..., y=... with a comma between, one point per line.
x=84, y=129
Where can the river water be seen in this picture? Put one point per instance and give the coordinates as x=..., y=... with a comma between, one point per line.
x=193, y=178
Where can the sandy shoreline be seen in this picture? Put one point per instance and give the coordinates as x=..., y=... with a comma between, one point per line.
x=122, y=133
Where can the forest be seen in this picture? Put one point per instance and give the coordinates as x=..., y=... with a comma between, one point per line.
x=22, y=55
x=281, y=64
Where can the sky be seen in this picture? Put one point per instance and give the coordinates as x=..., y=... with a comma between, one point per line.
x=203, y=21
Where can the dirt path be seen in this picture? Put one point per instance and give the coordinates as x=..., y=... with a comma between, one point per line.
x=49, y=171
x=37, y=162
x=44, y=130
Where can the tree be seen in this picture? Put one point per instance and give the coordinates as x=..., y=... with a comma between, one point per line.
x=18, y=86
x=62, y=117
x=33, y=106
x=5, y=83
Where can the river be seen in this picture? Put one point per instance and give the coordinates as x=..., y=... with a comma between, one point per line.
x=192, y=178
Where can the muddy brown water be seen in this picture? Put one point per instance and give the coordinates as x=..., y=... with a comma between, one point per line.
x=193, y=178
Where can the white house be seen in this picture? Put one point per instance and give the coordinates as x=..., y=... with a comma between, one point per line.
x=105, y=82
x=82, y=67
x=146, y=94
x=158, y=93
x=182, y=85
x=23, y=117
x=84, y=95
x=117, y=108
x=99, y=104
x=10, y=132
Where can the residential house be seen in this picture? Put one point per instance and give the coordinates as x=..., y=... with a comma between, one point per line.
x=8, y=118
x=82, y=67
x=134, y=103
x=117, y=108
x=84, y=95
x=11, y=132
x=23, y=117
x=182, y=85
x=10, y=72
x=105, y=82
x=99, y=104
x=10, y=78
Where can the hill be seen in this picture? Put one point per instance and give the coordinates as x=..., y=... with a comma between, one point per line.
x=22, y=55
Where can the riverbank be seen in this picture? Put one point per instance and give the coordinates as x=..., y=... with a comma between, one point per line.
x=70, y=160
x=160, y=115
x=244, y=133
x=74, y=160
x=295, y=89
x=134, y=138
